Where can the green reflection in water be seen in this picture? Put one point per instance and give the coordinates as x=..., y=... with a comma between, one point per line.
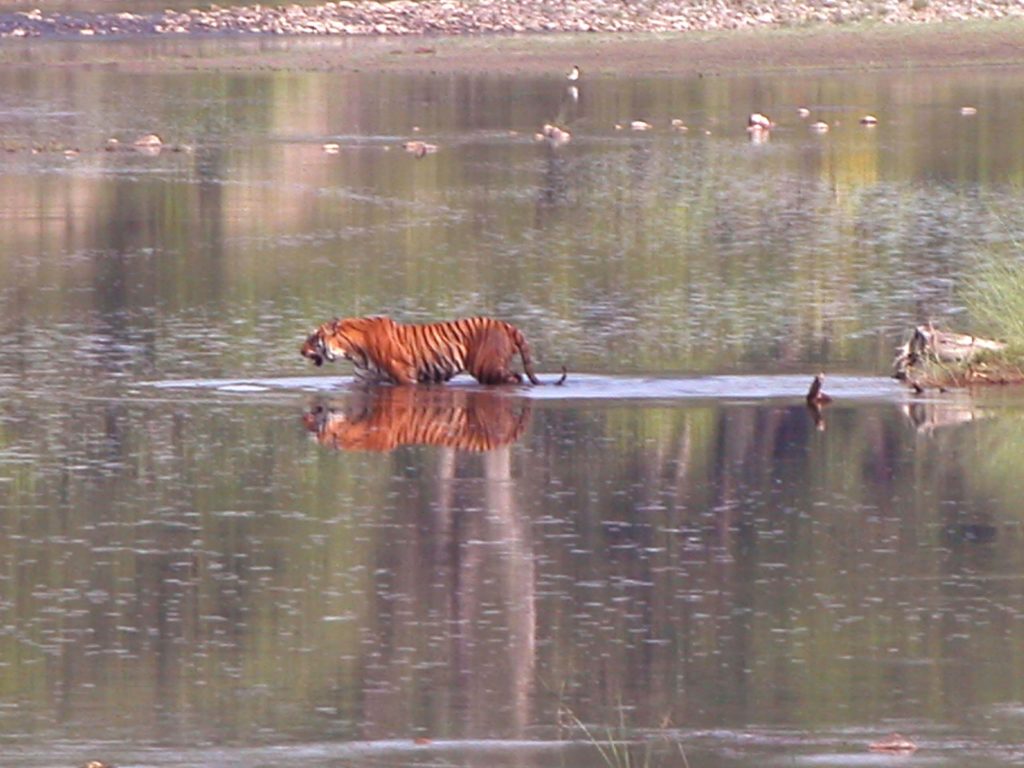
x=620, y=252
x=724, y=565
x=181, y=568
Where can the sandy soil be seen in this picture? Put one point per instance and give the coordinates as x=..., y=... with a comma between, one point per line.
x=825, y=48
x=818, y=48
x=847, y=47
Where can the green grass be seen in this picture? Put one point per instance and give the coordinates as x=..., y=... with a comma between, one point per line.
x=994, y=298
x=616, y=747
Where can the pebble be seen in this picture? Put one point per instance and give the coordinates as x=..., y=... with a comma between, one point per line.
x=419, y=148
x=553, y=134
x=438, y=17
x=149, y=140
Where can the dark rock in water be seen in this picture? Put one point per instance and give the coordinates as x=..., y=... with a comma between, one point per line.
x=971, y=533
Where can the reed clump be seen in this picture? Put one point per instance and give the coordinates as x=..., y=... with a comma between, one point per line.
x=617, y=746
x=993, y=296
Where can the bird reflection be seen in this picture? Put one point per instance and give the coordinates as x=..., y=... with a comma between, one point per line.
x=385, y=418
x=818, y=415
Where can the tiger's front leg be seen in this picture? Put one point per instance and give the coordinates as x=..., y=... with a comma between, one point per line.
x=395, y=372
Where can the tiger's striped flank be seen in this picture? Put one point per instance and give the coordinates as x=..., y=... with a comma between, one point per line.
x=385, y=351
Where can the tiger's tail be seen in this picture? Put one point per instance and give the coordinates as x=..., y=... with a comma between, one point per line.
x=524, y=353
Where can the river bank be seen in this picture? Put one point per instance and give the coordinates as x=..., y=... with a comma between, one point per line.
x=822, y=47
x=448, y=17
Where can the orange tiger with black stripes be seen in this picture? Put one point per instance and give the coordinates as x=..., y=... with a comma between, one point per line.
x=384, y=351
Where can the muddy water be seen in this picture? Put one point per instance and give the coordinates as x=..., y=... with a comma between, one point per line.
x=214, y=554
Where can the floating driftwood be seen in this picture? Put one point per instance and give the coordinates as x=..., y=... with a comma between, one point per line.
x=928, y=345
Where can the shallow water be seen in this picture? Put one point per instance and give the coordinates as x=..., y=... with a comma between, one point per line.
x=215, y=554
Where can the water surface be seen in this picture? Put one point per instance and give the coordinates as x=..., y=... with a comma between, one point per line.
x=215, y=554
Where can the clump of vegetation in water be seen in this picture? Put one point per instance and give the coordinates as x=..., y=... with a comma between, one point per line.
x=994, y=298
x=931, y=372
x=616, y=747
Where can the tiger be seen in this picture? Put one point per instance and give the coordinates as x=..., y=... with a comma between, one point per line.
x=384, y=351
x=385, y=418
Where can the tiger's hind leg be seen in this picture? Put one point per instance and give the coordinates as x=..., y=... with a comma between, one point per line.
x=520, y=346
x=494, y=374
x=488, y=360
x=498, y=377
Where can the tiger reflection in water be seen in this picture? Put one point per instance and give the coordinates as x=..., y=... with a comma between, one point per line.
x=385, y=418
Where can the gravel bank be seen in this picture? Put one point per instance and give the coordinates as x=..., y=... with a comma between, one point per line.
x=452, y=17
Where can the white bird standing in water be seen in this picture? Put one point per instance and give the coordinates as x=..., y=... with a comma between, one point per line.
x=574, y=74
x=759, y=127
x=758, y=122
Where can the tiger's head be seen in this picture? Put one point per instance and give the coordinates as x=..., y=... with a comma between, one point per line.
x=349, y=339
x=317, y=347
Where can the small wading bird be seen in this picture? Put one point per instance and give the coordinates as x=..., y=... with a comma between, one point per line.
x=574, y=74
x=759, y=128
x=759, y=122
x=815, y=397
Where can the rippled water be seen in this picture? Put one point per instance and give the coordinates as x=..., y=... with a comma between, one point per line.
x=214, y=554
